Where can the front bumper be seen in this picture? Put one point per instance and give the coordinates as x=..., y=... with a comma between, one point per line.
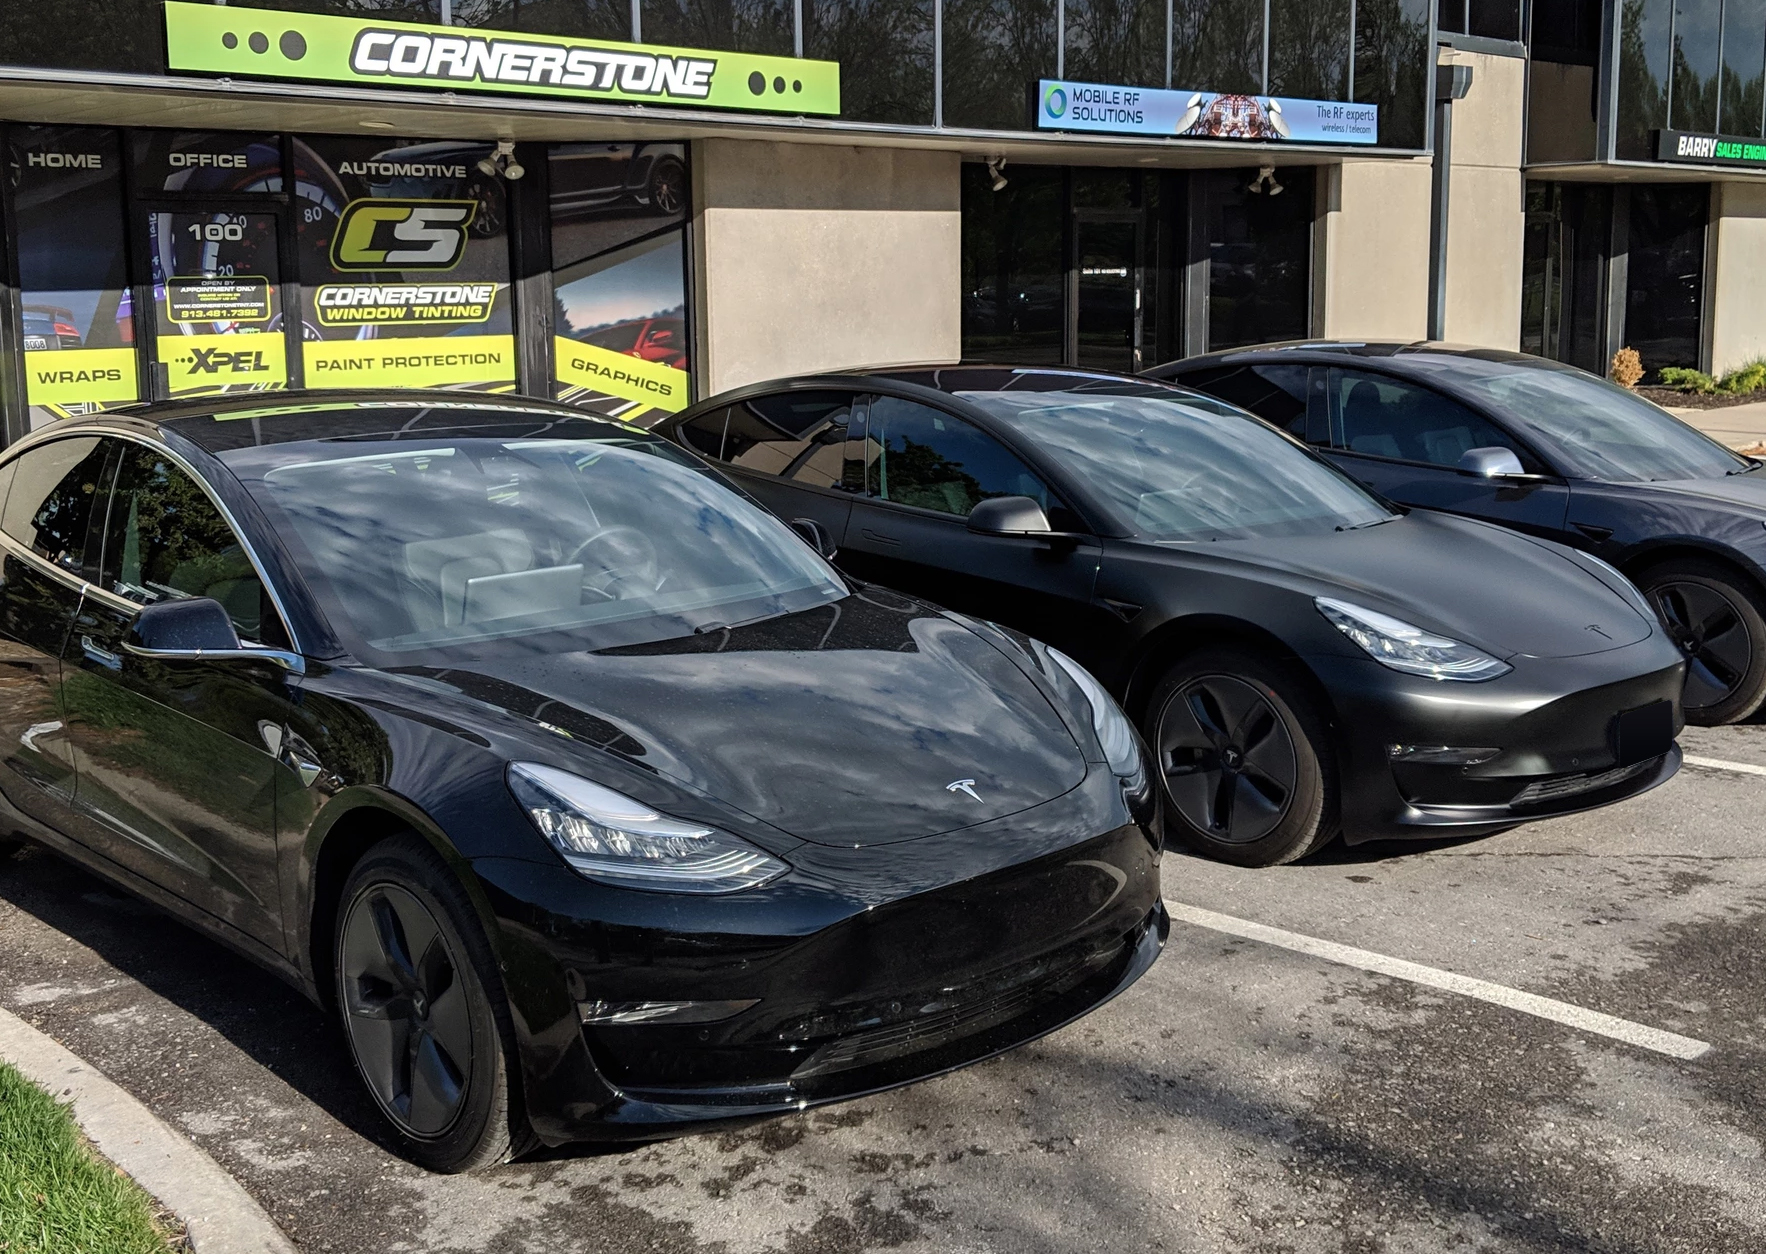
x=868, y=968
x=1552, y=719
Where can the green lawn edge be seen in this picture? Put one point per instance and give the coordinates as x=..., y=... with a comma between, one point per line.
x=56, y=1195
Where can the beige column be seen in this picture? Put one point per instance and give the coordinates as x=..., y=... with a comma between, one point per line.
x=1736, y=307
x=1372, y=247
x=820, y=257
x=1485, y=222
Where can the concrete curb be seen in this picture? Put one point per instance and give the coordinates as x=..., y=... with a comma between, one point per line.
x=220, y=1216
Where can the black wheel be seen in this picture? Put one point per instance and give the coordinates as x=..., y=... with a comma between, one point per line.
x=667, y=189
x=1719, y=623
x=423, y=1009
x=1239, y=747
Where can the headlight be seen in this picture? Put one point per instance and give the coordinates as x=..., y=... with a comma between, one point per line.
x=1396, y=643
x=611, y=838
x=1122, y=748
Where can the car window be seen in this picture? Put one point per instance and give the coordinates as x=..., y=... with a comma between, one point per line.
x=925, y=457
x=795, y=435
x=1275, y=393
x=1386, y=417
x=163, y=539
x=50, y=505
x=705, y=434
x=525, y=546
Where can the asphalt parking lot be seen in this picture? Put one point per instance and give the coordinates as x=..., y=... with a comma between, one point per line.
x=1244, y=1096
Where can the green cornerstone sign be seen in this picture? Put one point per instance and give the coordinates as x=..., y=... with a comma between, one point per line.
x=264, y=43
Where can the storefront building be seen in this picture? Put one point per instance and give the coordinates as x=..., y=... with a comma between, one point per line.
x=630, y=203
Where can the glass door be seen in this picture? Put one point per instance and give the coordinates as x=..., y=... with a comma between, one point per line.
x=1107, y=291
x=217, y=296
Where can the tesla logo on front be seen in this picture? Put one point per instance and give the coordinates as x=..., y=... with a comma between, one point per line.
x=963, y=785
x=1595, y=628
x=382, y=234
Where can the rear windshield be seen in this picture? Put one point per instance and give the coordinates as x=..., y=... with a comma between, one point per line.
x=1170, y=468
x=433, y=549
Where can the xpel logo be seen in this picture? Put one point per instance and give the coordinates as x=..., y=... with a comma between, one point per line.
x=215, y=360
x=385, y=234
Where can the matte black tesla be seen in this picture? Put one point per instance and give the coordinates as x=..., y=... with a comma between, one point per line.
x=1546, y=449
x=592, y=799
x=1300, y=655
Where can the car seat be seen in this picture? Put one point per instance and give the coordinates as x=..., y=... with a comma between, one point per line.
x=1368, y=424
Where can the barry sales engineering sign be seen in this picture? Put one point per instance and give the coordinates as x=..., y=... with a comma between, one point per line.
x=261, y=43
x=1068, y=106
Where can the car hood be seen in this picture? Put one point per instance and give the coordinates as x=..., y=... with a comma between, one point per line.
x=846, y=725
x=1746, y=490
x=1499, y=590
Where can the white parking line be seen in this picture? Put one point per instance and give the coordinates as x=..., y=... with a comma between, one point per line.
x=1586, y=1020
x=1718, y=764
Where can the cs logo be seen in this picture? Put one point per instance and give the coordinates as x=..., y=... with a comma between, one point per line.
x=401, y=234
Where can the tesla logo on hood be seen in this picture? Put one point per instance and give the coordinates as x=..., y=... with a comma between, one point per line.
x=1595, y=628
x=963, y=785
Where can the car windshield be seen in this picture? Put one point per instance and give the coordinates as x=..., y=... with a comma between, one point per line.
x=1169, y=469
x=463, y=545
x=1601, y=430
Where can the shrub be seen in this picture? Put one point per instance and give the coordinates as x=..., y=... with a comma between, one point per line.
x=1627, y=368
x=1748, y=378
x=1687, y=380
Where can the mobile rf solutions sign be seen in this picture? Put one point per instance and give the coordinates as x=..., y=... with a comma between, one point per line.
x=263, y=43
x=1114, y=110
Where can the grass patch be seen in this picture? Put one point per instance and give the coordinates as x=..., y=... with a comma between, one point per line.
x=56, y=1195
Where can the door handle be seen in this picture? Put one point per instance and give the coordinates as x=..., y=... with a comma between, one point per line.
x=104, y=657
x=877, y=536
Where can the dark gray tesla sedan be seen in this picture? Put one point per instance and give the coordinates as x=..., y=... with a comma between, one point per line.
x=1545, y=449
x=1302, y=657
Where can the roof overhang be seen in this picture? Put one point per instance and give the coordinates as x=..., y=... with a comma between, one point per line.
x=1641, y=172
x=94, y=98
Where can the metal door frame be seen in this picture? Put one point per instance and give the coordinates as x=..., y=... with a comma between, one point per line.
x=1077, y=219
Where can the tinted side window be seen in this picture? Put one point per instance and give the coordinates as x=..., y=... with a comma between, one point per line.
x=705, y=434
x=1388, y=418
x=795, y=435
x=931, y=459
x=1274, y=393
x=164, y=539
x=50, y=505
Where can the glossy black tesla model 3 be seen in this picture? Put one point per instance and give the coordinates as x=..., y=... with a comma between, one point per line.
x=1546, y=449
x=1299, y=654
x=596, y=803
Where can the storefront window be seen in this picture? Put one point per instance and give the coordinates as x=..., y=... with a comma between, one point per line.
x=78, y=330
x=1665, y=277
x=1694, y=103
x=1487, y=19
x=620, y=337
x=765, y=26
x=1744, y=67
x=1309, y=48
x=884, y=48
x=993, y=51
x=1116, y=41
x=404, y=265
x=1259, y=257
x=1013, y=265
x=1218, y=45
x=1643, y=75
x=1393, y=67
x=122, y=35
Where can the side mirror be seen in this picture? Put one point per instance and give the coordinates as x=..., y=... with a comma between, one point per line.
x=1492, y=463
x=193, y=628
x=1009, y=516
x=816, y=535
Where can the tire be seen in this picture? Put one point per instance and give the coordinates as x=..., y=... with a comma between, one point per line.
x=1719, y=622
x=1242, y=760
x=423, y=1010
x=666, y=189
